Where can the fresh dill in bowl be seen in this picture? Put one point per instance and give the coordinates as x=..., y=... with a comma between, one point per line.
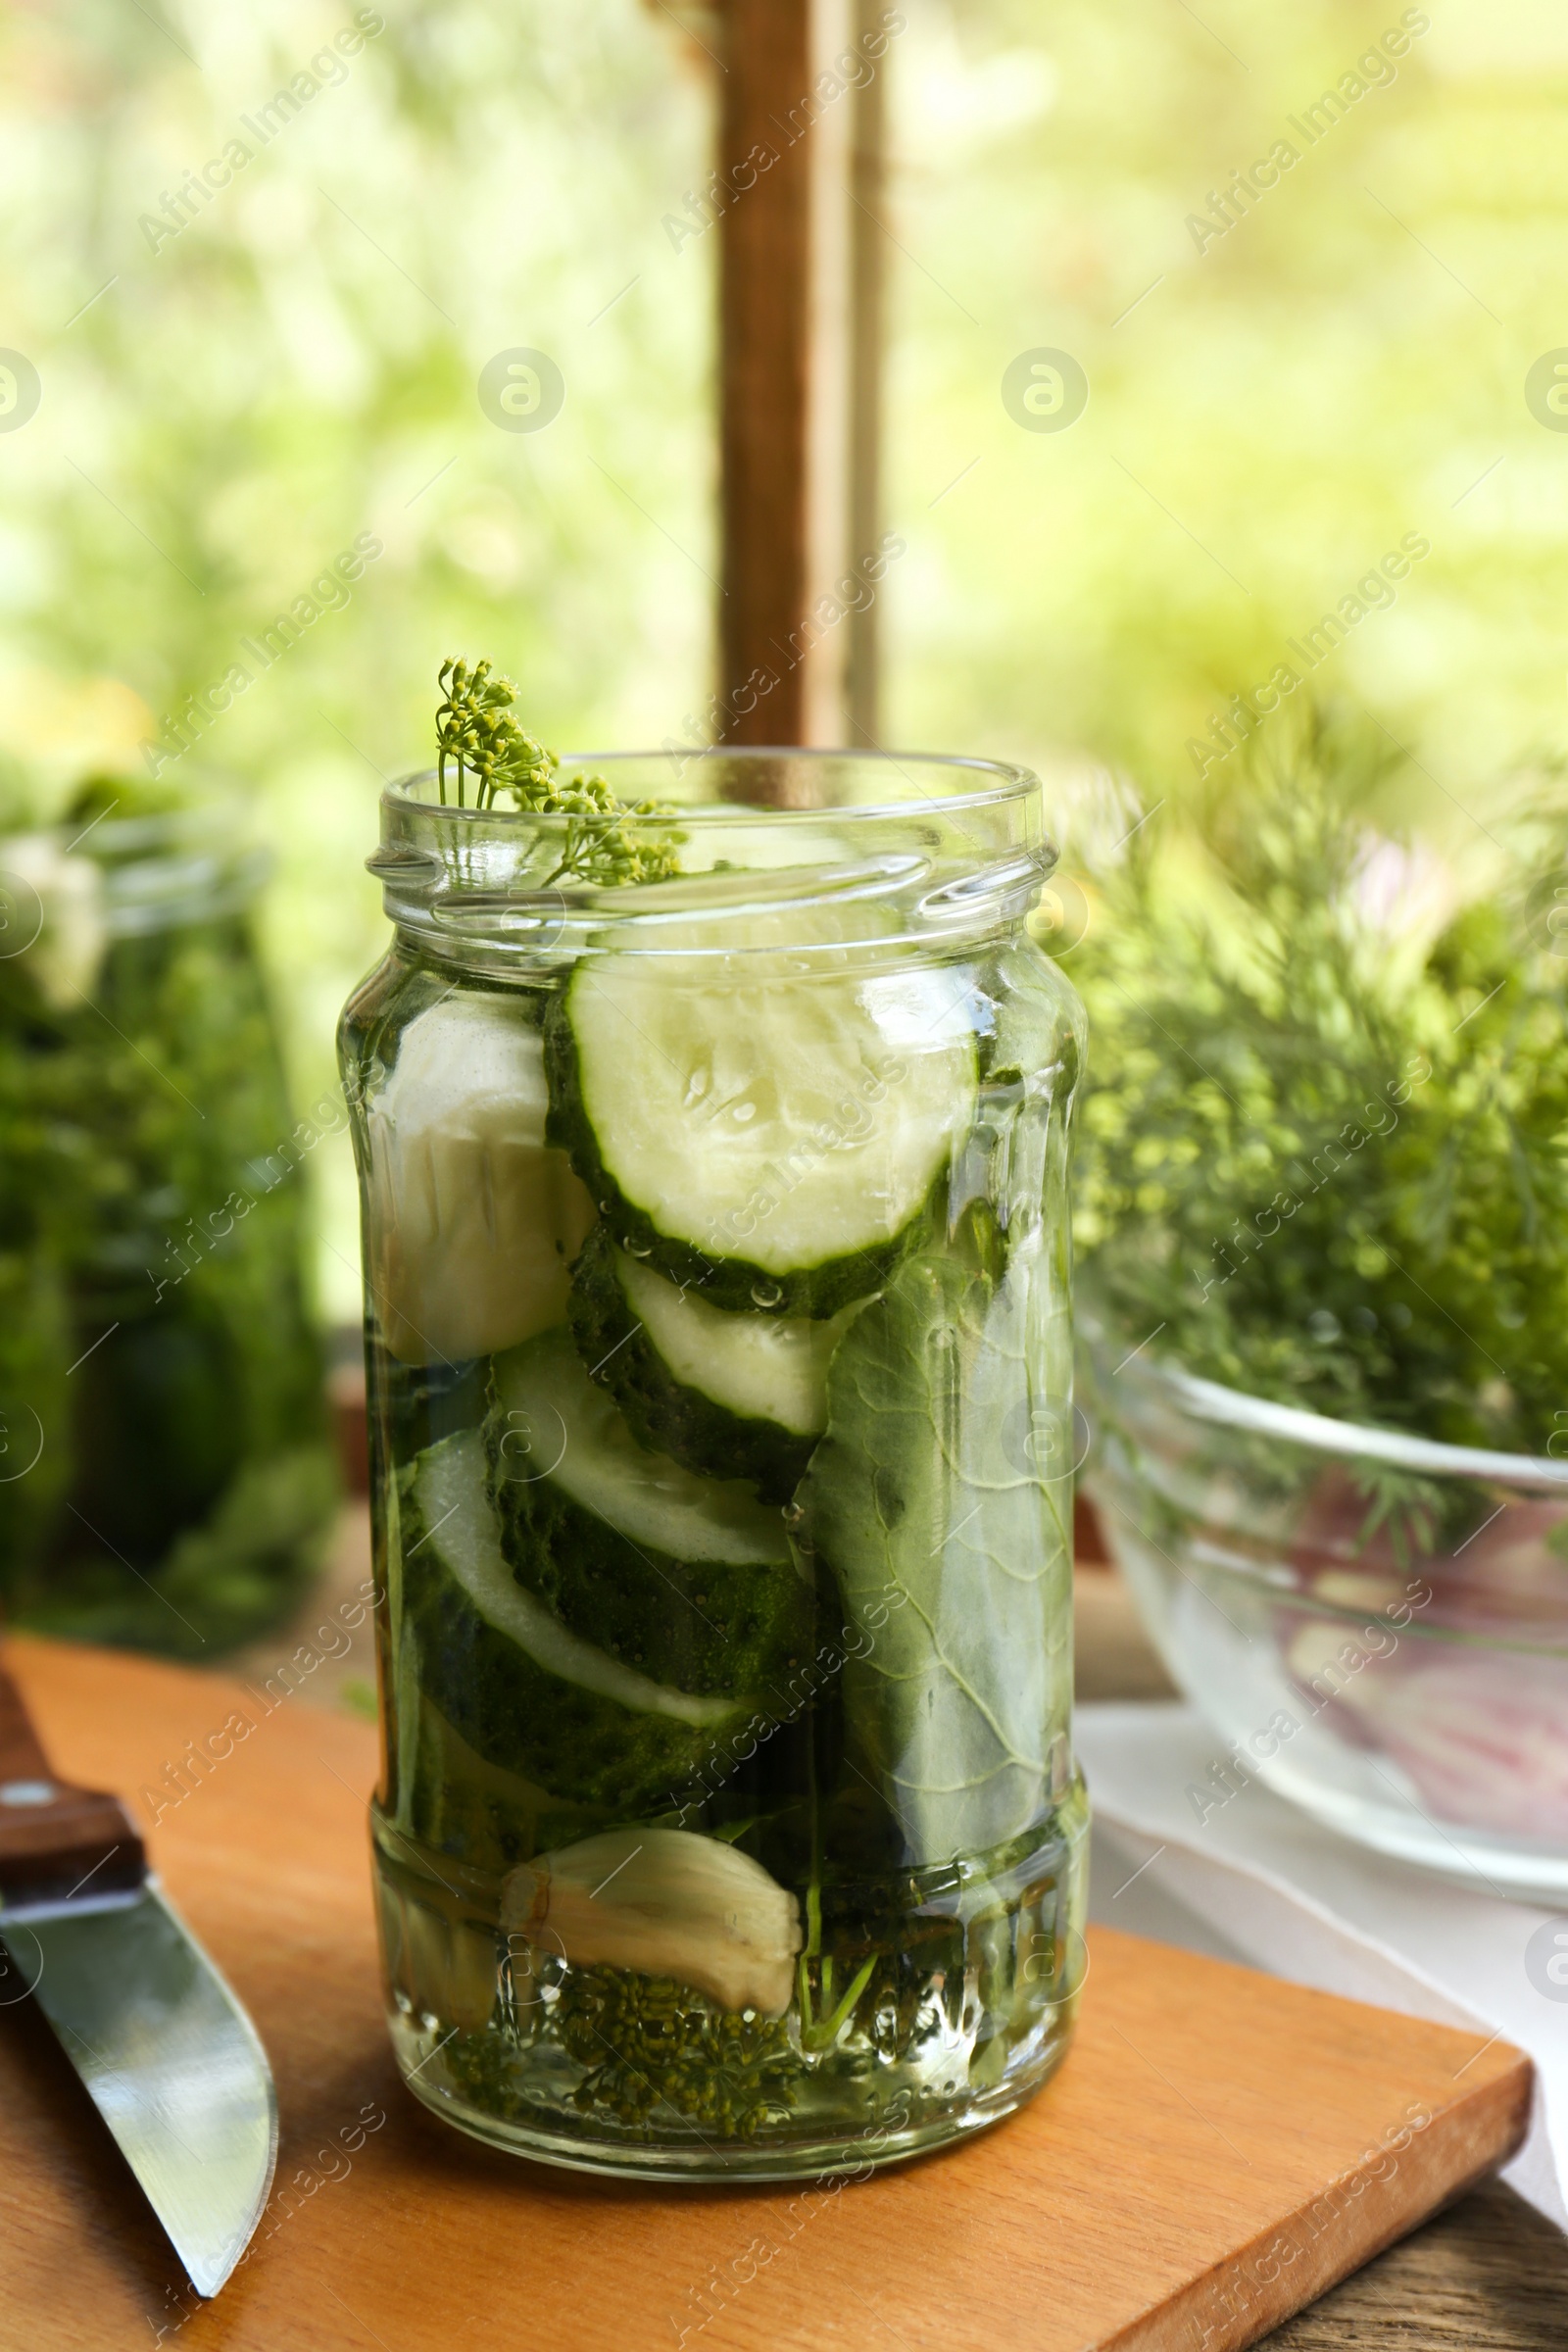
x=1323, y=1153
x=1322, y=1167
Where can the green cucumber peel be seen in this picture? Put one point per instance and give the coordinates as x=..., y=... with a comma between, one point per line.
x=673, y=1415
x=515, y=1685
x=684, y=1577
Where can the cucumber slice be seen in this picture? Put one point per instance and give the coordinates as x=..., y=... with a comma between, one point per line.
x=769, y=1368
x=523, y=1690
x=474, y=1218
x=739, y=1394
x=769, y=1131
x=687, y=1578
x=543, y=1388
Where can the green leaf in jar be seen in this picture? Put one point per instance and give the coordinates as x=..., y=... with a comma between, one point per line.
x=941, y=1515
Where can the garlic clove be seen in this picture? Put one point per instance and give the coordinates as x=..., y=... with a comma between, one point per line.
x=666, y=1903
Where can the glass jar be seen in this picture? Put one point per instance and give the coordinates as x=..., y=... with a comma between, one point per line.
x=719, y=1360
x=166, y=1477
x=1376, y=1624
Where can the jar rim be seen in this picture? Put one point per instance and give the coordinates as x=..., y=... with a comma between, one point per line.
x=770, y=831
x=996, y=782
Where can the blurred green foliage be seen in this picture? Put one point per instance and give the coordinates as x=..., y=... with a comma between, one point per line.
x=222, y=416
x=299, y=364
x=1345, y=365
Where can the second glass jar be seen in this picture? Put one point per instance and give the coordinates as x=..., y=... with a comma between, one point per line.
x=719, y=1350
x=165, y=1476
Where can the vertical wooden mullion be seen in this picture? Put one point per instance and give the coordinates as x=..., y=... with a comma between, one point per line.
x=828, y=331
x=765, y=323
x=801, y=325
x=868, y=238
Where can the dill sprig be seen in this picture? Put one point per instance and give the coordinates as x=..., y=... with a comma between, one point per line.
x=476, y=732
x=646, y=2040
x=643, y=2044
x=479, y=737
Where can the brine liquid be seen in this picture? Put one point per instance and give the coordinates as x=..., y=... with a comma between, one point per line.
x=936, y=2002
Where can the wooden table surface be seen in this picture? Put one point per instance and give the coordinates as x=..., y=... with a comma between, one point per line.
x=1218, y=2144
x=1487, y=2276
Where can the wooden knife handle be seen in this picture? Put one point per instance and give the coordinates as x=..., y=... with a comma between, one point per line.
x=56, y=1841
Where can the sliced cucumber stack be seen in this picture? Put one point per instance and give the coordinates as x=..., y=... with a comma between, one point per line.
x=522, y=1688
x=770, y=1131
x=686, y=1578
x=737, y=1395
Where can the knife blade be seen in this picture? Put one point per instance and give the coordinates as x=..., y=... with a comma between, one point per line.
x=162, y=2045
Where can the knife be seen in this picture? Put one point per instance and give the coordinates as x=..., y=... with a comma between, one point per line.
x=167, y=2054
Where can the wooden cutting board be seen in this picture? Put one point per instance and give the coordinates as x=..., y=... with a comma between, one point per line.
x=1217, y=2149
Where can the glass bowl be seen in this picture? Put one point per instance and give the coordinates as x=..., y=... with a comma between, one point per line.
x=1376, y=1625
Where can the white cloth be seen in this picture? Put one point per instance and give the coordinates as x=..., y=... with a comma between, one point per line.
x=1261, y=1883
